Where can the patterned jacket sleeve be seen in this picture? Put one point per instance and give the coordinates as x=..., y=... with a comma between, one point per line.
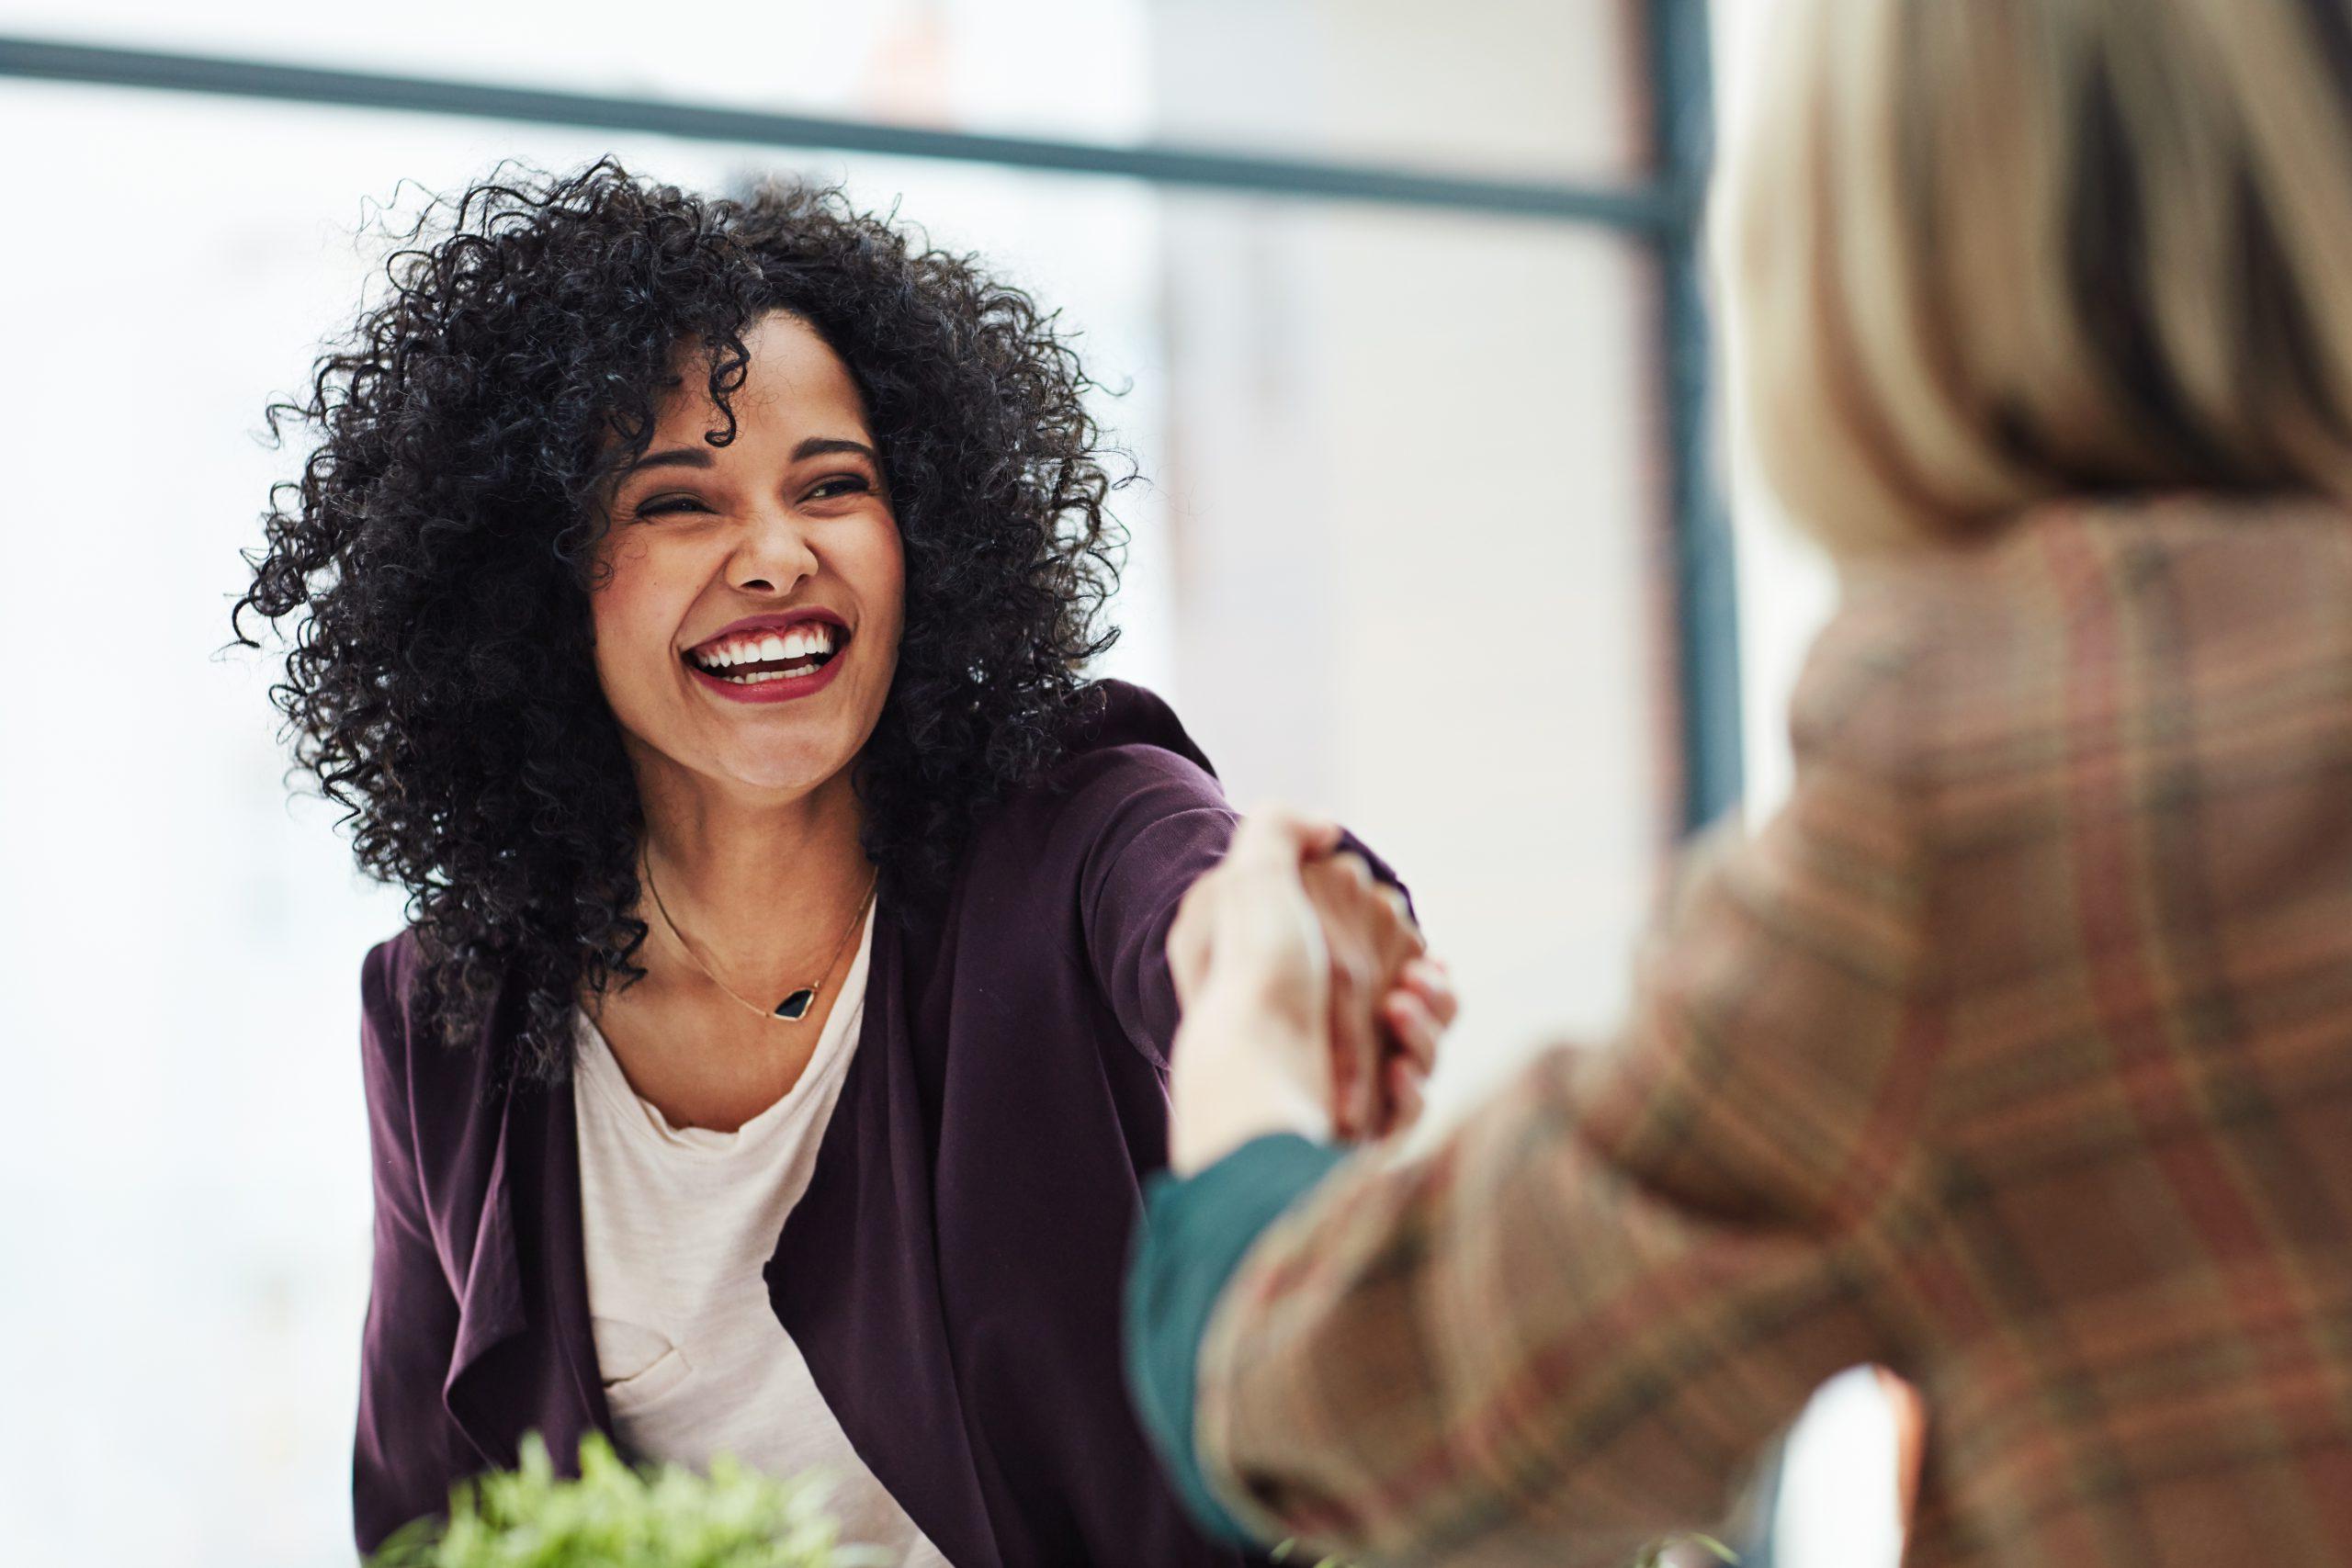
x=1572, y=1326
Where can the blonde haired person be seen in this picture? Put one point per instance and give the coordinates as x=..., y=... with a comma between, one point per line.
x=2015, y=1053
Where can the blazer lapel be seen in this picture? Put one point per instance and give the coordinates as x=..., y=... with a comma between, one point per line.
x=525, y=1359
x=856, y=1284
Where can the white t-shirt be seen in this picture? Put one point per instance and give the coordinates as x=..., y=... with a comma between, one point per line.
x=678, y=1223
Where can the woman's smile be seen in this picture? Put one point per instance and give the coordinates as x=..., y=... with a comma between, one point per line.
x=753, y=573
x=772, y=659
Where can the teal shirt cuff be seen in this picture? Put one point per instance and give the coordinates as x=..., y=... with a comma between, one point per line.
x=1190, y=1238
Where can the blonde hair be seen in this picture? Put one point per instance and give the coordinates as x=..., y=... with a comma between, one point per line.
x=1983, y=253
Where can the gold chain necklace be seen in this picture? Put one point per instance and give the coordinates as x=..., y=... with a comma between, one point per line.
x=794, y=1007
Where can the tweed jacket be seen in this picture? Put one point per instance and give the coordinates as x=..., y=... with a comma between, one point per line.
x=2014, y=1054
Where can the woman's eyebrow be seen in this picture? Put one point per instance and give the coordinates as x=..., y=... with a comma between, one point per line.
x=675, y=457
x=699, y=457
x=816, y=446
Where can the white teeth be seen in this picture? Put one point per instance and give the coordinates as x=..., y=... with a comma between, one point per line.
x=801, y=642
x=813, y=639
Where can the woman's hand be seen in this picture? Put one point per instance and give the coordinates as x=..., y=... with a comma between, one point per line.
x=1384, y=1028
x=1419, y=1010
x=1308, y=1005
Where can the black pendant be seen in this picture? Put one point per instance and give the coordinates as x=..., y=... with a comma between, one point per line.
x=795, y=1008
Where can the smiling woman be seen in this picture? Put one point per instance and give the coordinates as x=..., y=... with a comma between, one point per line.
x=689, y=602
x=485, y=432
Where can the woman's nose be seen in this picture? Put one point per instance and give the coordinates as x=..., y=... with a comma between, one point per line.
x=774, y=555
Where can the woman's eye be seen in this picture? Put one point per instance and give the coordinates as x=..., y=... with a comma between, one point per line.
x=670, y=504
x=840, y=484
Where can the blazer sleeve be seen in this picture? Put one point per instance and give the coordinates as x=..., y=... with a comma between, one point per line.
x=405, y=1455
x=1573, y=1326
x=1159, y=821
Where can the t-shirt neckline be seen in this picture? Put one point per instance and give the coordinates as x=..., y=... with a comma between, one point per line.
x=593, y=1059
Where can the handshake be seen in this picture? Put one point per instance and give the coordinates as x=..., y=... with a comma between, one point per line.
x=1310, y=1002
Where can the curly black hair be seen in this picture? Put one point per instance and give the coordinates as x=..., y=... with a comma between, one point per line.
x=437, y=552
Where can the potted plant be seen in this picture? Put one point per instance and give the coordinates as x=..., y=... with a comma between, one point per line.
x=616, y=1516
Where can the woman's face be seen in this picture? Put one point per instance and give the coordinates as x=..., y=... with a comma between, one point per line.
x=747, y=621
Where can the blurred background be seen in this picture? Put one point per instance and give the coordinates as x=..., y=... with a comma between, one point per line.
x=1397, y=304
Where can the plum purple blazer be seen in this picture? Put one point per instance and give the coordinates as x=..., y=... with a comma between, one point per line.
x=953, y=1274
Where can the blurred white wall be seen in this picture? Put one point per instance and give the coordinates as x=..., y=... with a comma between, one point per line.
x=1408, y=466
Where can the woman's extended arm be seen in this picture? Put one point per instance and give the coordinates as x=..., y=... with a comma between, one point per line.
x=1160, y=824
x=1570, y=1327
x=1157, y=823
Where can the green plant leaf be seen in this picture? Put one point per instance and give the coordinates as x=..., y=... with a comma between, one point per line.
x=618, y=1517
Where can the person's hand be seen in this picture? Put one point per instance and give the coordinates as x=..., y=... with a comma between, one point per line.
x=1419, y=1009
x=1252, y=973
x=1307, y=1005
x=1250, y=923
x=1387, y=1007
